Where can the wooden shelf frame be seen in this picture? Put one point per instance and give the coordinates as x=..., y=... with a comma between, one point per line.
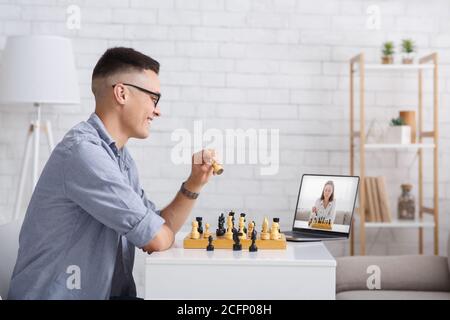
x=358, y=69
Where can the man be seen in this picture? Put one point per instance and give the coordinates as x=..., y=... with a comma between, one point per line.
x=88, y=211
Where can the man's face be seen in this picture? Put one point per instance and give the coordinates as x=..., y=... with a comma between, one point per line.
x=139, y=108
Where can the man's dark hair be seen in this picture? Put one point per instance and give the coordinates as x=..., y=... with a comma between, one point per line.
x=122, y=59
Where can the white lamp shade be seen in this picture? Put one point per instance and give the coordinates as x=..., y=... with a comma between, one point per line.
x=38, y=69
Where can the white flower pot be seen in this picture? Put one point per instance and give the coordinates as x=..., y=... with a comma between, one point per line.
x=398, y=134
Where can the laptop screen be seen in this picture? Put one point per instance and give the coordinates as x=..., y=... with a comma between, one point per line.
x=326, y=203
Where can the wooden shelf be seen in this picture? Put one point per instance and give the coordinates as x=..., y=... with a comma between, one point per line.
x=358, y=73
x=396, y=67
x=401, y=224
x=413, y=146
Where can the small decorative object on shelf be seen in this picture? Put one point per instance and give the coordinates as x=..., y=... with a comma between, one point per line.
x=397, y=122
x=409, y=118
x=408, y=48
x=388, y=53
x=398, y=132
x=406, y=203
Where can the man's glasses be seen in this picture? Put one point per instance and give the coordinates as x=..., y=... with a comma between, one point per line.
x=153, y=95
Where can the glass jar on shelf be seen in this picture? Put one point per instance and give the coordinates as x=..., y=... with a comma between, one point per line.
x=406, y=203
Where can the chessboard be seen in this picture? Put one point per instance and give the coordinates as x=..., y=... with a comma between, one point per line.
x=223, y=243
x=235, y=236
x=319, y=225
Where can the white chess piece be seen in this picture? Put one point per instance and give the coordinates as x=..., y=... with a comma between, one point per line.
x=229, y=233
x=207, y=233
x=264, y=234
x=194, y=232
x=241, y=228
x=250, y=229
x=274, y=231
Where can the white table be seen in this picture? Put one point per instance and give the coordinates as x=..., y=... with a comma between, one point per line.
x=302, y=271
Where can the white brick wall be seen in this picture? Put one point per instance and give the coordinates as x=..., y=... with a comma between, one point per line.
x=245, y=64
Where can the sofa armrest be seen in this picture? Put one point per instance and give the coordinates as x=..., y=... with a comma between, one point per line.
x=423, y=273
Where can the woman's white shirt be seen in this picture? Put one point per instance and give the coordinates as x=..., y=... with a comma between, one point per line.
x=329, y=212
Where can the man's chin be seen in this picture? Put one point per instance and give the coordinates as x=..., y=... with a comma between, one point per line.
x=142, y=135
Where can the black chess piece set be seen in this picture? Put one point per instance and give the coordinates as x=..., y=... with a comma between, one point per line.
x=237, y=246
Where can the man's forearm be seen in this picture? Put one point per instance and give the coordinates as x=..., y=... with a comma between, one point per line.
x=177, y=212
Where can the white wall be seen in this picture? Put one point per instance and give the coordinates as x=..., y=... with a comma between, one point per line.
x=248, y=64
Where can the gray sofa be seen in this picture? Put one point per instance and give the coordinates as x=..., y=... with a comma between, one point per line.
x=401, y=277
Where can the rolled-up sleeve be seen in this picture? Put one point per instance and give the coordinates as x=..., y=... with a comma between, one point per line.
x=93, y=180
x=148, y=203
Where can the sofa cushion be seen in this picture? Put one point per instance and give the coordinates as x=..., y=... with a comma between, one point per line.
x=421, y=273
x=392, y=295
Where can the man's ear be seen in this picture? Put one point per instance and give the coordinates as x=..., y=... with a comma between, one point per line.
x=120, y=93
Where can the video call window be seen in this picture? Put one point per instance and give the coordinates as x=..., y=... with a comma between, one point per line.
x=326, y=203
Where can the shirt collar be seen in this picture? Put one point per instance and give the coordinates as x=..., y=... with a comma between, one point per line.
x=321, y=202
x=97, y=123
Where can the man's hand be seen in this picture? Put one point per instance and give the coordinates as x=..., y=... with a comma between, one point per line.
x=201, y=169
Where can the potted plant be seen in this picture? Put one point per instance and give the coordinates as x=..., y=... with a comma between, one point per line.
x=388, y=53
x=408, y=48
x=398, y=132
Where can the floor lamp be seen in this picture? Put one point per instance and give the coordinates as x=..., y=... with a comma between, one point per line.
x=38, y=71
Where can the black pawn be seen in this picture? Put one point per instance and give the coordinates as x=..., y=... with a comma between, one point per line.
x=210, y=246
x=200, y=228
x=237, y=246
x=253, y=247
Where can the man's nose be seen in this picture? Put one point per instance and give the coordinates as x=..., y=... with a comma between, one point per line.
x=157, y=111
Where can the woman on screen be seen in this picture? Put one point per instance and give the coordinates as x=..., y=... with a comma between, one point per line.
x=325, y=206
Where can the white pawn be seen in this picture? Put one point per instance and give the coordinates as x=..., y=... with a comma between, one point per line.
x=207, y=233
x=194, y=233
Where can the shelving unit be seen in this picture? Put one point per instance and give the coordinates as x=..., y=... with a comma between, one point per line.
x=358, y=68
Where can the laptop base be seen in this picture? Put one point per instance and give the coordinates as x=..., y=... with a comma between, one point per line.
x=298, y=236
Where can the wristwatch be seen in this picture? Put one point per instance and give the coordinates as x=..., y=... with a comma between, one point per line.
x=187, y=193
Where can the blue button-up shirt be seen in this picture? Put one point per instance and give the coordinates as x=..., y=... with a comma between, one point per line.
x=87, y=214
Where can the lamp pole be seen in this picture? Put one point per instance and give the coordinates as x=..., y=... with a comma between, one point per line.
x=33, y=134
x=37, y=129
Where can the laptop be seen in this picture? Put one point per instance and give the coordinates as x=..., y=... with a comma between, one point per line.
x=325, y=207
